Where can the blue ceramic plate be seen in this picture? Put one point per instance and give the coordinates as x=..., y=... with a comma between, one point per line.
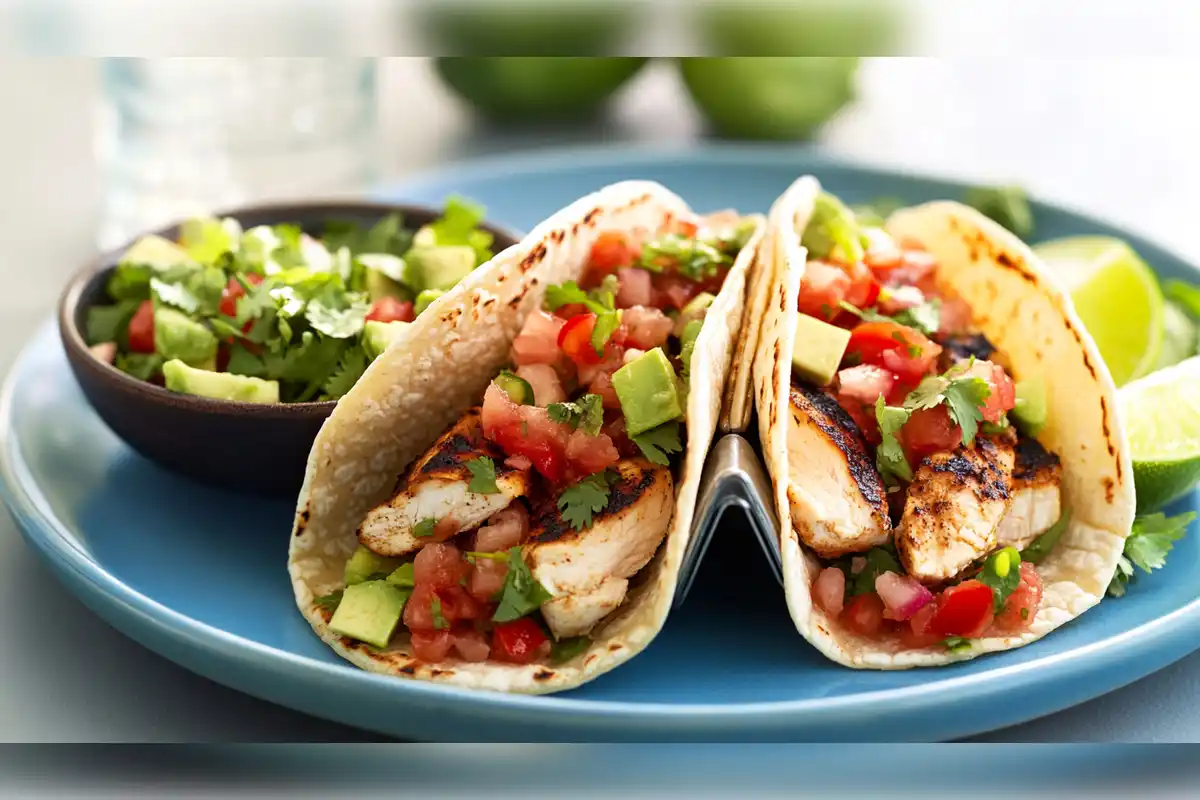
x=198, y=574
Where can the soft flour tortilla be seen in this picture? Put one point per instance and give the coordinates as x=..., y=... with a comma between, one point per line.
x=437, y=369
x=738, y=403
x=1027, y=315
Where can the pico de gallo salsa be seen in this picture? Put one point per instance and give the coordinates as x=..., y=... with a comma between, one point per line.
x=273, y=314
x=578, y=435
x=972, y=500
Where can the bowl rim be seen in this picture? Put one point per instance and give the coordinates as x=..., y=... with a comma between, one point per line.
x=75, y=344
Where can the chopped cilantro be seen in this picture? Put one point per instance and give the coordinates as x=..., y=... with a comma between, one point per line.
x=889, y=456
x=142, y=366
x=1147, y=546
x=566, y=649
x=439, y=621
x=129, y=282
x=1040, y=547
x=925, y=317
x=657, y=442
x=330, y=601
x=107, y=323
x=424, y=528
x=957, y=644
x=483, y=476
x=607, y=323
x=586, y=413
x=522, y=593
x=568, y=293
x=349, y=369
x=693, y=258
x=878, y=561
x=337, y=320
x=1002, y=574
x=581, y=500
x=865, y=314
x=964, y=398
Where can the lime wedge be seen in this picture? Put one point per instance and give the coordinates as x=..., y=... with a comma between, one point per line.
x=1116, y=295
x=1162, y=417
x=1179, y=336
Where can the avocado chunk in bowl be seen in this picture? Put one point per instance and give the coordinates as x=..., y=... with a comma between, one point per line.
x=237, y=333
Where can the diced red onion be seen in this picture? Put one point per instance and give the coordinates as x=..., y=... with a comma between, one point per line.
x=902, y=596
x=829, y=590
x=857, y=565
x=636, y=288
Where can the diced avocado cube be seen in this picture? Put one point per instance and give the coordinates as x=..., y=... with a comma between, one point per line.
x=364, y=563
x=697, y=305
x=369, y=612
x=1029, y=412
x=206, y=238
x=516, y=387
x=648, y=391
x=179, y=377
x=157, y=252
x=425, y=299
x=425, y=237
x=380, y=286
x=817, y=349
x=441, y=267
x=176, y=335
x=378, y=335
x=402, y=576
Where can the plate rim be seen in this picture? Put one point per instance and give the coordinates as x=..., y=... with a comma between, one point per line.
x=44, y=530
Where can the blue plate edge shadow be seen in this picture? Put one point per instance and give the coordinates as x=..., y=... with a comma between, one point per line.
x=1170, y=632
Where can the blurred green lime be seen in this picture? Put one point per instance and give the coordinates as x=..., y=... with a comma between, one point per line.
x=811, y=28
x=533, y=88
x=769, y=98
x=528, y=27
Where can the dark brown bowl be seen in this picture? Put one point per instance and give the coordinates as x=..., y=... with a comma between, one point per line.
x=248, y=447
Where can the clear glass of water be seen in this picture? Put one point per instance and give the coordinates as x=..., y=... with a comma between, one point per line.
x=186, y=136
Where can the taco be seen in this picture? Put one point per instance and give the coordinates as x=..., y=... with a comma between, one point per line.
x=949, y=468
x=504, y=498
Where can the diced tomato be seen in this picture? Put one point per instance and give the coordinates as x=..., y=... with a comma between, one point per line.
x=864, y=289
x=445, y=528
x=537, y=343
x=897, y=348
x=503, y=530
x=910, y=268
x=610, y=252
x=471, y=644
x=141, y=328
x=487, y=578
x=864, y=614
x=897, y=298
x=418, y=611
x=929, y=431
x=637, y=289
x=916, y=633
x=963, y=610
x=588, y=455
x=865, y=383
x=439, y=565
x=612, y=360
x=458, y=605
x=526, y=431
x=822, y=289
x=1002, y=394
x=431, y=646
x=518, y=462
x=389, y=309
x=518, y=642
x=829, y=590
x=685, y=227
x=646, y=328
x=602, y=385
x=542, y=378
x=575, y=339
x=614, y=428
x=1022, y=605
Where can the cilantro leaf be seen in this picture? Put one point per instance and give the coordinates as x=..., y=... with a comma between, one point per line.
x=957, y=644
x=1040, y=547
x=522, y=593
x=607, y=323
x=865, y=314
x=878, y=561
x=142, y=366
x=424, y=528
x=439, y=620
x=889, y=456
x=349, y=369
x=966, y=398
x=243, y=362
x=1150, y=540
x=1002, y=574
x=459, y=225
x=586, y=413
x=331, y=601
x=483, y=476
x=569, y=293
x=1006, y=205
x=925, y=317
x=657, y=442
x=580, y=500
x=692, y=258
x=257, y=301
x=107, y=323
x=565, y=649
x=129, y=282
x=336, y=320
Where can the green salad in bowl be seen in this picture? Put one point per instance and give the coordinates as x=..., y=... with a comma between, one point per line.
x=277, y=313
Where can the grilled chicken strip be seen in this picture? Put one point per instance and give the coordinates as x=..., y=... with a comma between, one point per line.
x=961, y=346
x=838, y=500
x=436, y=488
x=1036, y=498
x=586, y=570
x=955, y=502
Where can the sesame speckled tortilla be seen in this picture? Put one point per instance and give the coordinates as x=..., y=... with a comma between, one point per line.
x=1029, y=318
x=440, y=366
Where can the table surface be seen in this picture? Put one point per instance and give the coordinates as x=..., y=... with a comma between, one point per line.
x=1066, y=142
